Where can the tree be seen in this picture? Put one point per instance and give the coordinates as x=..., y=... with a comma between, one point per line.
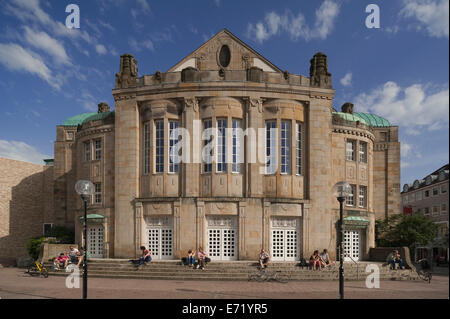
x=405, y=230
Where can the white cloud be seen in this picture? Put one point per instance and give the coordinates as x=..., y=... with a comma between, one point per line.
x=138, y=46
x=16, y=58
x=21, y=151
x=347, y=79
x=100, y=49
x=432, y=15
x=414, y=106
x=43, y=41
x=296, y=26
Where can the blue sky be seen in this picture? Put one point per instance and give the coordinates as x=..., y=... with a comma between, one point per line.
x=400, y=71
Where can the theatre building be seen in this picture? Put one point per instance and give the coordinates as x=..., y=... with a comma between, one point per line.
x=231, y=209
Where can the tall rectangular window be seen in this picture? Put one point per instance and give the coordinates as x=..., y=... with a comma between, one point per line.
x=443, y=209
x=427, y=210
x=285, y=147
x=146, y=141
x=362, y=200
x=173, y=141
x=363, y=152
x=350, y=200
x=444, y=189
x=298, y=148
x=98, y=149
x=271, y=143
x=159, y=146
x=221, y=145
x=435, y=210
x=207, y=167
x=236, y=145
x=419, y=195
x=97, y=193
x=350, y=150
x=87, y=151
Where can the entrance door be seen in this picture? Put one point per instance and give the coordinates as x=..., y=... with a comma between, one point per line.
x=160, y=237
x=284, y=235
x=95, y=241
x=352, y=242
x=222, y=238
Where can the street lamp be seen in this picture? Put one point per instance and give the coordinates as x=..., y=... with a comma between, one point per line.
x=85, y=189
x=341, y=190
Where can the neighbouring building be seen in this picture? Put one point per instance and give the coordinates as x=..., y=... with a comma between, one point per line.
x=231, y=209
x=429, y=196
x=26, y=205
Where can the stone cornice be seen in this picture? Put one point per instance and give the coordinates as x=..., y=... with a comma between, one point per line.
x=95, y=130
x=353, y=131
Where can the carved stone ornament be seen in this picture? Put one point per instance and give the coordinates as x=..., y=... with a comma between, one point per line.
x=158, y=76
x=318, y=71
x=246, y=61
x=103, y=107
x=284, y=222
x=220, y=222
x=128, y=72
x=191, y=102
x=258, y=103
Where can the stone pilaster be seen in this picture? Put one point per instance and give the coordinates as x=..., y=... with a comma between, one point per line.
x=305, y=231
x=127, y=161
x=106, y=237
x=255, y=121
x=176, y=229
x=140, y=228
x=242, y=231
x=200, y=225
x=191, y=171
x=266, y=226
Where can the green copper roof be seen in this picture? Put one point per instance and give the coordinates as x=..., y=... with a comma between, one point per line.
x=77, y=119
x=351, y=117
x=356, y=219
x=97, y=117
x=365, y=118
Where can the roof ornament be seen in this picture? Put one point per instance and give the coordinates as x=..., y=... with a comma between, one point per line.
x=347, y=108
x=318, y=71
x=128, y=72
x=103, y=107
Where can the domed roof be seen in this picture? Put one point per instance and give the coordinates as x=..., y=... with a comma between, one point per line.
x=97, y=117
x=365, y=118
x=78, y=119
x=373, y=119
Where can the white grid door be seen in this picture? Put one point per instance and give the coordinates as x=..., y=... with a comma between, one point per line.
x=222, y=239
x=160, y=242
x=95, y=241
x=284, y=243
x=352, y=244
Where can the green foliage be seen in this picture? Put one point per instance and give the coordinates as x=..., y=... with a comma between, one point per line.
x=34, y=245
x=56, y=235
x=62, y=234
x=404, y=230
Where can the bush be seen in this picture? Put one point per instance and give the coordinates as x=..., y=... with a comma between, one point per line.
x=34, y=245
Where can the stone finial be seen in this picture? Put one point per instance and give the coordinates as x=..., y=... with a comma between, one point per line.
x=318, y=72
x=103, y=107
x=128, y=72
x=347, y=108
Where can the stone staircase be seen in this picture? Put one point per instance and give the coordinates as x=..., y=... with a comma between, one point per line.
x=228, y=271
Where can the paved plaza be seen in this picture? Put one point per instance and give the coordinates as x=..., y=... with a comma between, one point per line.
x=15, y=284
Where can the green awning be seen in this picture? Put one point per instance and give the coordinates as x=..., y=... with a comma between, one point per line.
x=356, y=221
x=92, y=217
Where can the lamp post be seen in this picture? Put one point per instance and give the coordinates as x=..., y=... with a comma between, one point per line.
x=341, y=190
x=85, y=189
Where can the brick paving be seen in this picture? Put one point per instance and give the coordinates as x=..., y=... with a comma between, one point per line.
x=15, y=284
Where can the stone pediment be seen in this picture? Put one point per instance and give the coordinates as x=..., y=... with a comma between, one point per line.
x=227, y=52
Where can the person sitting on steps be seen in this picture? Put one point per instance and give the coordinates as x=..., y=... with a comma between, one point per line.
x=325, y=258
x=314, y=260
x=263, y=259
x=191, y=258
x=201, y=258
x=145, y=258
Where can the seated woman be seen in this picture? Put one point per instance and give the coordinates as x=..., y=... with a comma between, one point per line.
x=145, y=256
x=191, y=258
x=314, y=260
x=201, y=258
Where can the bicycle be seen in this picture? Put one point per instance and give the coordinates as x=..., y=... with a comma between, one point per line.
x=424, y=271
x=37, y=269
x=264, y=275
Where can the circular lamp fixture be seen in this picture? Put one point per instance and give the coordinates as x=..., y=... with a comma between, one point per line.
x=84, y=188
x=342, y=189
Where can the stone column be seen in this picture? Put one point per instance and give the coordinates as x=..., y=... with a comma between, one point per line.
x=266, y=226
x=306, y=235
x=243, y=254
x=255, y=121
x=106, y=238
x=200, y=225
x=191, y=170
x=127, y=161
x=139, y=228
x=176, y=229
